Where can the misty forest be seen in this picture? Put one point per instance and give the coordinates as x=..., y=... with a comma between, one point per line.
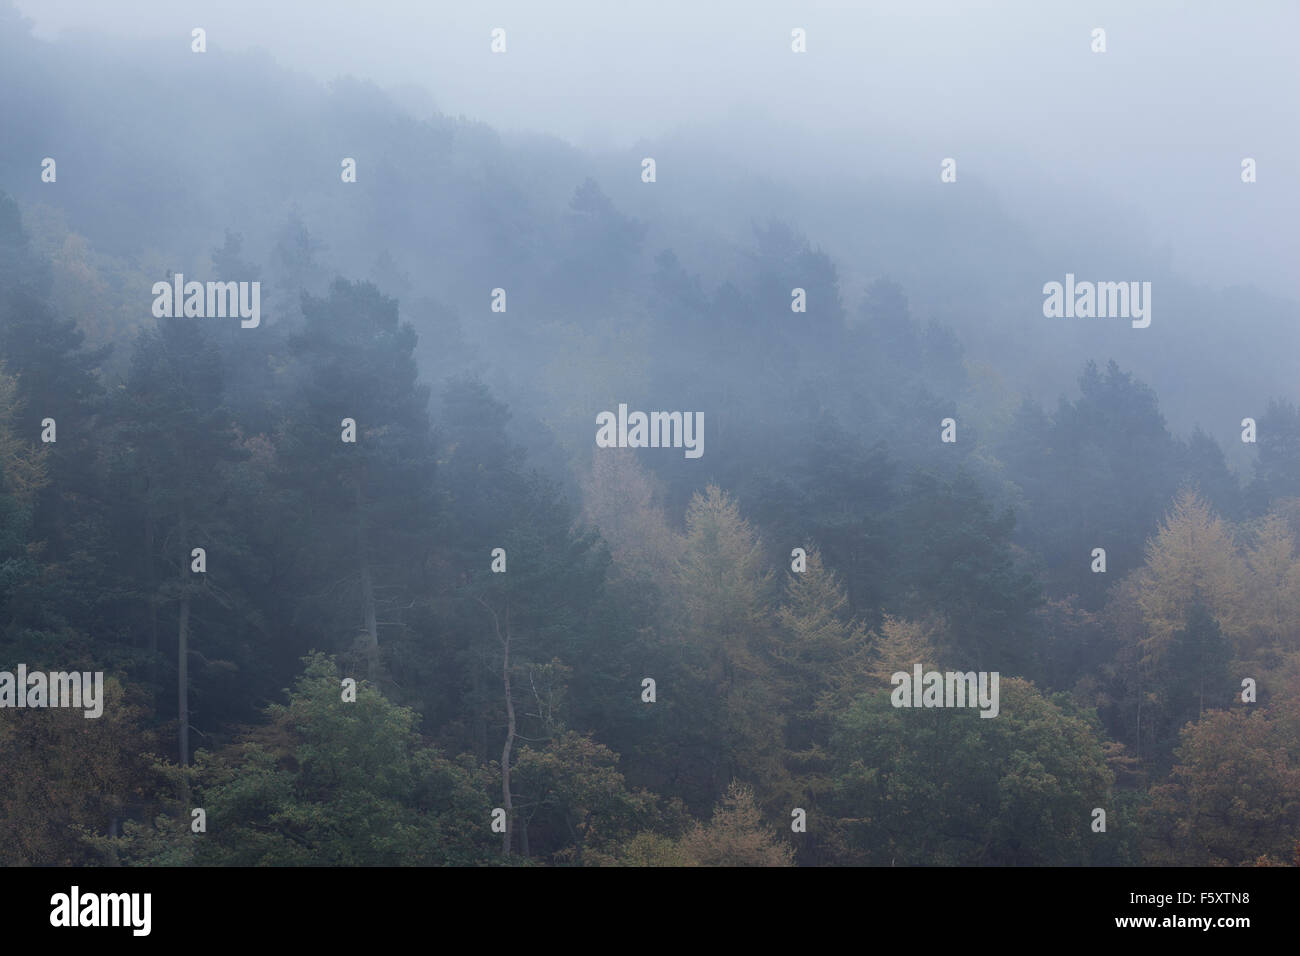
x=366, y=589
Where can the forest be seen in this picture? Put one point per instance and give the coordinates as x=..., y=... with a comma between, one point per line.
x=367, y=587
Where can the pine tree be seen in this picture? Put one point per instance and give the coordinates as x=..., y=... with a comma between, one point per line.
x=736, y=836
x=173, y=440
x=368, y=505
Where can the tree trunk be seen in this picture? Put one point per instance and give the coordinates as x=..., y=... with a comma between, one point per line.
x=510, y=738
x=367, y=584
x=1139, y=726
x=183, y=674
x=153, y=596
x=371, y=625
x=478, y=726
x=577, y=841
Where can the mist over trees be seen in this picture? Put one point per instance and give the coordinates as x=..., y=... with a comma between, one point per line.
x=368, y=553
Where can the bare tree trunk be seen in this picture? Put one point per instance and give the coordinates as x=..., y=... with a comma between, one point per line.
x=479, y=724
x=153, y=595
x=368, y=609
x=1139, y=727
x=183, y=672
x=504, y=640
x=367, y=585
x=183, y=657
x=577, y=841
x=510, y=739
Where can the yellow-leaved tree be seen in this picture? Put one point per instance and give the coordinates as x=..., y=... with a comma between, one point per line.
x=736, y=835
x=1192, y=561
x=1272, y=588
x=821, y=652
x=22, y=462
x=724, y=633
x=622, y=502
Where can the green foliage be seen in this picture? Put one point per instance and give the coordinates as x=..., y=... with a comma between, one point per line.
x=325, y=783
x=938, y=786
x=574, y=798
x=1232, y=797
x=822, y=434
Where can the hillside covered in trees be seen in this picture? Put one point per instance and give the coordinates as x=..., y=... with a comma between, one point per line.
x=427, y=641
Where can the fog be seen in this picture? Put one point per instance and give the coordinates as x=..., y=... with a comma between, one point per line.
x=500, y=358
x=1141, y=143
x=1127, y=162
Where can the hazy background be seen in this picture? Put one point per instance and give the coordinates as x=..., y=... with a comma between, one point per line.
x=1155, y=128
x=822, y=430
x=1117, y=166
